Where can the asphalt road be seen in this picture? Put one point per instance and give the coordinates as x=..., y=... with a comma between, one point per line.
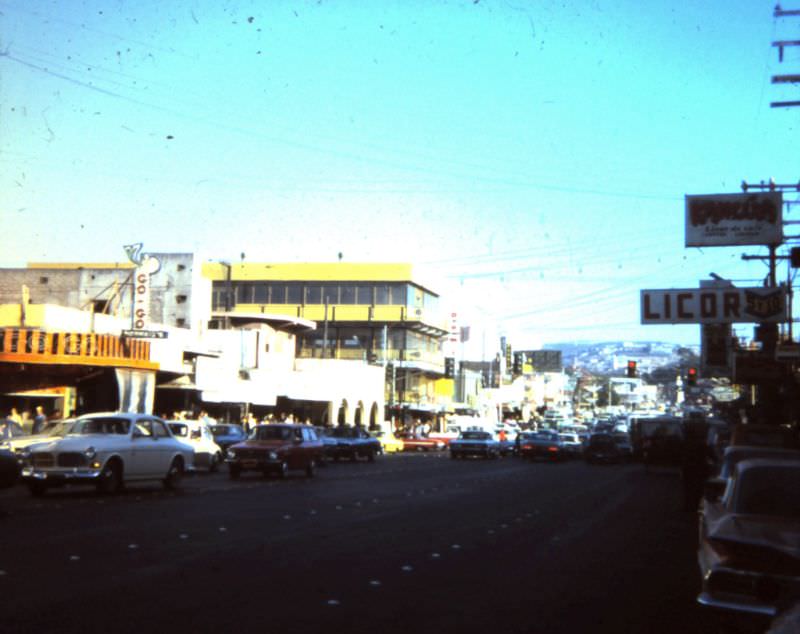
x=410, y=543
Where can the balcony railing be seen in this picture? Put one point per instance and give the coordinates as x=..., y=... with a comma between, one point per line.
x=25, y=345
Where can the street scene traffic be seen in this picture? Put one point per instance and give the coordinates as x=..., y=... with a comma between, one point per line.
x=448, y=316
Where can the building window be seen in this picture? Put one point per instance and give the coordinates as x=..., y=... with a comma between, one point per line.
x=44, y=280
x=294, y=293
x=364, y=294
x=180, y=322
x=347, y=294
x=330, y=294
x=244, y=292
x=261, y=294
x=181, y=267
x=313, y=294
x=180, y=299
x=382, y=294
x=277, y=293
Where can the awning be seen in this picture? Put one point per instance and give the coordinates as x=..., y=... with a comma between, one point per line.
x=181, y=383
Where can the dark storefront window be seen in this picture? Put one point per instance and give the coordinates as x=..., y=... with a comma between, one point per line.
x=330, y=293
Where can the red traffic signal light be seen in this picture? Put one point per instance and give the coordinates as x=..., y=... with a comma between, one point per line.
x=691, y=376
x=631, y=369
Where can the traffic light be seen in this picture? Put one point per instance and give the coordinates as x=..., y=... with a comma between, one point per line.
x=518, y=359
x=449, y=367
x=691, y=376
x=631, y=369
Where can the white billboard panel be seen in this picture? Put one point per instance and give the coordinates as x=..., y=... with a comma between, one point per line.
x=714, y=305
x=724, y=220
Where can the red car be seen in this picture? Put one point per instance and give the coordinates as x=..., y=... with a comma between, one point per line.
x=277, y=449
x=421, y=443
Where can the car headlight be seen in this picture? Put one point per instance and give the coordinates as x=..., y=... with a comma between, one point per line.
x=272, y=455
x=90, y=453
x=231, y=454
x=24, y=453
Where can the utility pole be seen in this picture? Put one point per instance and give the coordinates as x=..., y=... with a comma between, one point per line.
x=782, y=45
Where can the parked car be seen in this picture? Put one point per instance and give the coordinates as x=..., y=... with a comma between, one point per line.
x=276, y=449
x=389, y=442
x=107, y=450
x=765, y=436
x=474, y=443
x=354, y=443
x=330, y=446
x=715, y=485
x=9, y=469
x=52, y=430
x=226, y=435
x=602, y=448
x=197, y=434
x=421, y=443
x=543, y=444
x=749, y=545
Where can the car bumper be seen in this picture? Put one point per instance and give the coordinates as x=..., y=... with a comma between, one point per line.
x=731, y=605
x=75, y=474
x=255, y=464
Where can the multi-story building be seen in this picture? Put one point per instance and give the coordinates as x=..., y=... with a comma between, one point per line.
x=378, y=313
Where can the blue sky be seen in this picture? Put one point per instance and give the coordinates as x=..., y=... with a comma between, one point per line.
x=533, y=156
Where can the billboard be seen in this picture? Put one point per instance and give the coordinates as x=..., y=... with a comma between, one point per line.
x=724, y=220
x=714, y=305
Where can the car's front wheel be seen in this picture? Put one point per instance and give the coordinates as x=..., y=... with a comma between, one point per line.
x=283, y=470
x=174, y=475
x=110, y=480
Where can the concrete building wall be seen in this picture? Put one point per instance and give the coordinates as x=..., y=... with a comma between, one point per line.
x=46, y=286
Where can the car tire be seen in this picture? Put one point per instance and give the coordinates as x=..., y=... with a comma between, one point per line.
x=311, y=468
x=37, y=489
x=110, y=480
x=371, y=456
x=234, y=472
x=283, y=470
x=216, y=459
x=174, y=475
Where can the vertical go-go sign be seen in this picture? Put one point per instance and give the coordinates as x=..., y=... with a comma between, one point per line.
x=141, y=299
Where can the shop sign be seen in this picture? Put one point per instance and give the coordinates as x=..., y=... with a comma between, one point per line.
x=723, y=220
x=714, y=305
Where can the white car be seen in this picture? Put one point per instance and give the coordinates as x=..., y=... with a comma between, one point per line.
x=108, y=449
x=51, y=431
x=197, y=434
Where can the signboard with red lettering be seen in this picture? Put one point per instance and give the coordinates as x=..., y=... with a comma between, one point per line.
x=714, y=305
x=724, y=220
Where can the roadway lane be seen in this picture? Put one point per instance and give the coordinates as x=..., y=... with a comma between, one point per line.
x=412, y=542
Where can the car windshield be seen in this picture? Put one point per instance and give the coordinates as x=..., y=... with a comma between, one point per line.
x=101, y=426
x=770, y=490
x=179, y=429
x=57, y=428
x=271, y=432
x=475, y=435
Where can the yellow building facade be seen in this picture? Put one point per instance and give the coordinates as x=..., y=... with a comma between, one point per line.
x=381, y=313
